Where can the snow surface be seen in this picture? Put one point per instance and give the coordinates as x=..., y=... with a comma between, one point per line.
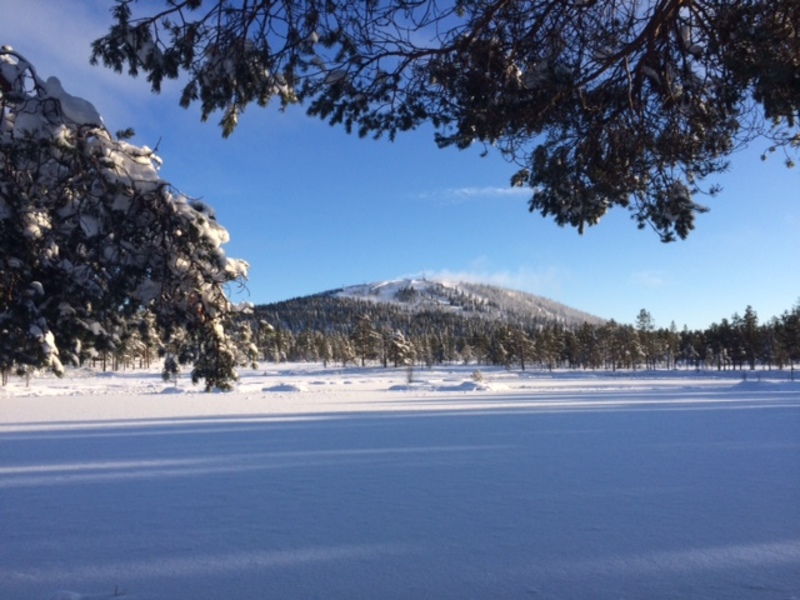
x=529, y=485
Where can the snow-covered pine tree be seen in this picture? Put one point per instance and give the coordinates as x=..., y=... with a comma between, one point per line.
x=365, y=339
x=400, y=350
x=91, y=237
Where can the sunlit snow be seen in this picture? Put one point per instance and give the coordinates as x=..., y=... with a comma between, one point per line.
x=342, y=483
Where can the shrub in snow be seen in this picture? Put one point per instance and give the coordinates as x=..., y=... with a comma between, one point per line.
x=93, y=242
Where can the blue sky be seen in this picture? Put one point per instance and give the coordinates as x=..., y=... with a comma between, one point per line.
x=313, y=209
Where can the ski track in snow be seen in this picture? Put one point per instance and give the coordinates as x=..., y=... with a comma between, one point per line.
x=314, y=482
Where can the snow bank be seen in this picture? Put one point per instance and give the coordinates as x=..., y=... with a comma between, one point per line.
x=285, y=387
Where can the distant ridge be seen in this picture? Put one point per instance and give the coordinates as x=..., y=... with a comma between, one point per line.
x=399, y=304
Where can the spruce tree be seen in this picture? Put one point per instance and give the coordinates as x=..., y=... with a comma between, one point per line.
x=92, y=239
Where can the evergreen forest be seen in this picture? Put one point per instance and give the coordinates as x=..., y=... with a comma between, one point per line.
x=352, y=331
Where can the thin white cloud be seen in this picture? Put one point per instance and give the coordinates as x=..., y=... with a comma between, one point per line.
x=464, y=194
x=547, y=281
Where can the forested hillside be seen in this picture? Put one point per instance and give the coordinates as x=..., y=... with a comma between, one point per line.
x=406, y=323
x=416, y=306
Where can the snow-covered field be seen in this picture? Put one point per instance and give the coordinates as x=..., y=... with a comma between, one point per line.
x=330, y=483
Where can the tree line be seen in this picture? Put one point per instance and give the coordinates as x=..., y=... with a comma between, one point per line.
x=357, y=333
x=371, y=336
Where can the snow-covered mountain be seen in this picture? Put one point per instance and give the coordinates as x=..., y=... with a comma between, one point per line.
x=387, y=301
x=486, y=300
